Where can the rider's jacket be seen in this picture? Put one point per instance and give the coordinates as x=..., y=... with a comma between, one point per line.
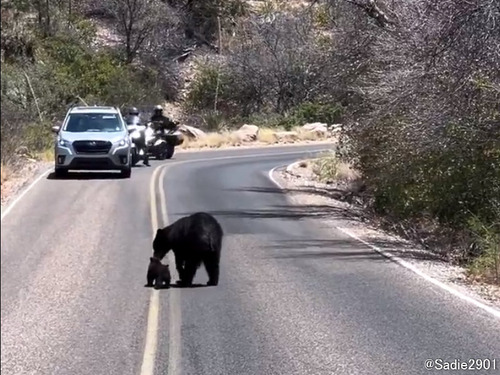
x=163, y=121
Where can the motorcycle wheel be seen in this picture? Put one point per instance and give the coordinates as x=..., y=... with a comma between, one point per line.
x=161, y=152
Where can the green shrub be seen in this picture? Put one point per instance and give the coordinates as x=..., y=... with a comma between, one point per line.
x=326, y=167
x=488, y=238
x=214, y=121
x=66, y=69
x=317, y=112
x=209, y=84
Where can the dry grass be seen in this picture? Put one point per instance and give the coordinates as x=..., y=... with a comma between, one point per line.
x=212, y=140
x=6, y=173
x=329, y=168
x=265, y=136
x=47, y=155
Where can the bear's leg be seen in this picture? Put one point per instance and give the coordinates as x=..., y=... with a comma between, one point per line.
x=179, y=264
x=211, y=262
x=150, y=282
x=150, y=279
x=189, y=272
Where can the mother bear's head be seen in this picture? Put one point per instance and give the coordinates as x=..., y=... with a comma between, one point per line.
x=161, y=243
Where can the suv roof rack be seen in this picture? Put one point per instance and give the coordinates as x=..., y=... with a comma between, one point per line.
x=79, y=108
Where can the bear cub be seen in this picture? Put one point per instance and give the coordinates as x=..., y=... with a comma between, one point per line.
x=158, y=273
x=194, y=239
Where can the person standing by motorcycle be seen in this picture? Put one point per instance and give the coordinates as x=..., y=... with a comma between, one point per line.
x=134, y=118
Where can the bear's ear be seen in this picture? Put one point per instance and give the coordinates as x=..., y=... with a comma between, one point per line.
x=159, y=231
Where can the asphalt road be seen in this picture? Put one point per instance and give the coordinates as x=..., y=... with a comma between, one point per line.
x=293, y=298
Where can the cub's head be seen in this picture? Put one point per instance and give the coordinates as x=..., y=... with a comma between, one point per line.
x=161, y=244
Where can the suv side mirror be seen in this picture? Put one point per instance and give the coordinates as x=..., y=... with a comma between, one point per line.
x=56, y=128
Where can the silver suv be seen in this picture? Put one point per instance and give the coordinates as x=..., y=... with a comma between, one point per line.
x=93, y=138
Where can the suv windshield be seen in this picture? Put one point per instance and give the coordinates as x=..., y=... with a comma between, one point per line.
x=94, y=122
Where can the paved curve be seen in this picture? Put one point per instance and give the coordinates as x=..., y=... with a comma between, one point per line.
x=293, y=299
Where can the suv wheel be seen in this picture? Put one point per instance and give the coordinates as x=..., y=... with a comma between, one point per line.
x=59, y=172
x=126, y=173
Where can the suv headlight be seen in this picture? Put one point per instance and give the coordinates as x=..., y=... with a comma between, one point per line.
x=64, y=143
x=123, y=142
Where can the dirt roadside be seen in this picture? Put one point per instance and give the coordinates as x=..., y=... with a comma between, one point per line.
x=299, y=182
x=20, y=178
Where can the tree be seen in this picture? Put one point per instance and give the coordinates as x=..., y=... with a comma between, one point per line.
x=137, y=19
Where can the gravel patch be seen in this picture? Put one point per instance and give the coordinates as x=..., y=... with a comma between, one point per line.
x=299, y=181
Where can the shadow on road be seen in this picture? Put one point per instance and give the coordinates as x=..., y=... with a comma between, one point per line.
x=345, y=249
x=189, y=287
x=179, y=286
x=331, y=192
x=287, y=212
x=87, y=176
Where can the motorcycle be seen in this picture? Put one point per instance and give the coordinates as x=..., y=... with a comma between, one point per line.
x=161, y=142
x=138, y=137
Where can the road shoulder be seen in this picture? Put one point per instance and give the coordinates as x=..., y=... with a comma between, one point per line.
x=20, y=179
x=298, y=182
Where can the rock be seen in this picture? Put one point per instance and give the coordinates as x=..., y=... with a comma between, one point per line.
x=22, y=151
x=247, y=133
x=192, y=132
x=317, y=127
x=335, y=128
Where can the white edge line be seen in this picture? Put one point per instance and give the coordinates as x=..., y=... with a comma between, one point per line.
x=403, y=263
x=9, y=208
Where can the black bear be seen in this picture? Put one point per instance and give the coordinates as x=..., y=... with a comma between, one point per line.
x=194, y=239
x=158, y=273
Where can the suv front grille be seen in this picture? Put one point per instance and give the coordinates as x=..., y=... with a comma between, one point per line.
x=92, y=147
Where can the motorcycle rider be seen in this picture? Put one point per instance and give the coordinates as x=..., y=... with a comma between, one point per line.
x=133, y=114
x=165, y=122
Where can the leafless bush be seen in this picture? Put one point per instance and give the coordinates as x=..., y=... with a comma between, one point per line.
x=274, y=66
x=428, y=139
x=137, y=21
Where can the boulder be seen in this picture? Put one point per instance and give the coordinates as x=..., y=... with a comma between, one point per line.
x=192, y=132
x=316, y=127
x=247, y=133
x=335, y=128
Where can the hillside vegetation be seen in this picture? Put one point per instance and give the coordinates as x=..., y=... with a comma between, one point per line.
x=415, y=84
